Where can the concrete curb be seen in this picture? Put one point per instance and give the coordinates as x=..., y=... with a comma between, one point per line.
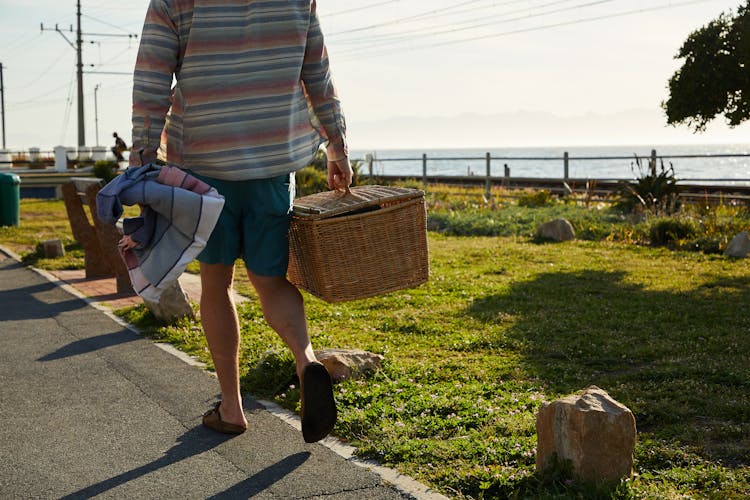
x=402, y=483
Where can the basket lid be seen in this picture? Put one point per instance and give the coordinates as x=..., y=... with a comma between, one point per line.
x=331, y=203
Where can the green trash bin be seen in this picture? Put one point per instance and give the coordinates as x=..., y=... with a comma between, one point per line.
x=10, y=199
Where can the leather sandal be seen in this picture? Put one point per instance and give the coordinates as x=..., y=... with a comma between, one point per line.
x=212, y=420
x=318, y=405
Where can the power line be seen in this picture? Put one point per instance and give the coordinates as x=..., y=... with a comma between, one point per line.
x=358, y=9
x=39, y=101
x=399, y=36
x=68, y=107
x=44, y=72
x=120, y=28
x=482, y=22
x=39, y=97
x=21, y=41
x=670, y=5
x=111, y=60
x=33, y=104
x=114, y=6
x=412, y=18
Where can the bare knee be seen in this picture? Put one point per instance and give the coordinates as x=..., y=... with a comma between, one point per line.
x=216, y=281
x=271, y=284
x=281, y=301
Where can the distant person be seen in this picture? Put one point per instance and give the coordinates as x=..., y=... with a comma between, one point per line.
x=119, y=147
x=253, y=100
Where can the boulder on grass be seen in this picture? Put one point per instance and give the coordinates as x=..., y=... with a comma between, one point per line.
x=739, y=246
x=173, y=304
x=591, y=430
x=556, y=230
x=344, y=364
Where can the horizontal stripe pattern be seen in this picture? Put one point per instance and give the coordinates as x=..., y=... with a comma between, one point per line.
x=254, y=96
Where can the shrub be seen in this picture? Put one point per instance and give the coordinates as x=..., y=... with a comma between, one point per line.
x=710, y=244
x=671, y=231
x=535, y=198
x=106, y=170
x=311, y=180
x=653, y=191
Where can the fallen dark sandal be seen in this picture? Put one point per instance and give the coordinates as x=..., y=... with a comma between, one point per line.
x=318, y=405
x=212, y=420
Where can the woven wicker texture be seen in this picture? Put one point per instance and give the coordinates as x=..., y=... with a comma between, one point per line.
x=365, y=243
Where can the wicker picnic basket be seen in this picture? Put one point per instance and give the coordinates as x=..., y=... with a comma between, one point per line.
x=347, y=246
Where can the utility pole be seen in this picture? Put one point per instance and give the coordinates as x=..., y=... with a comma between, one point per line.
x=79, y=43
x=2, y=101
x=78, y=47
x=96, y=113
x=79, y=72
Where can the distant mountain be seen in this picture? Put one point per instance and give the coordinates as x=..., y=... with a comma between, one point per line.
x=533, y=128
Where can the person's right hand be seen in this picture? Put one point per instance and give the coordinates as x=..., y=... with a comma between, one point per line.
x=340, y=174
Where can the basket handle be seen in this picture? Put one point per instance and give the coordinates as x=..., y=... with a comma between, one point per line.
x=343, y=192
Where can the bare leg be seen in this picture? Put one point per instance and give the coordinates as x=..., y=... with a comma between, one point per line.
x=222, y=328
x=284, y=311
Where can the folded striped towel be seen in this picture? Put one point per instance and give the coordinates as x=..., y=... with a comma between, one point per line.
x=178, y=214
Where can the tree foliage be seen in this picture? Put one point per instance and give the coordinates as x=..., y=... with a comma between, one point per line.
x=715, y=77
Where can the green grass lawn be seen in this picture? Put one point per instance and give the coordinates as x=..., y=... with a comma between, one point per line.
x=505, y=324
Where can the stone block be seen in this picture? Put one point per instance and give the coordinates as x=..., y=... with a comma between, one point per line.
x=52, y=249
x=592, y=430
x=344, y=364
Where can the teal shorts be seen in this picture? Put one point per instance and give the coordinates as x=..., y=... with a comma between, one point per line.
x=254, y=224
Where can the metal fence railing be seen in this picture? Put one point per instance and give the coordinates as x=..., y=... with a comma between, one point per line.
x=427, y=166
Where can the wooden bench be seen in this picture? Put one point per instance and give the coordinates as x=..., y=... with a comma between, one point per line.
x=99, y=240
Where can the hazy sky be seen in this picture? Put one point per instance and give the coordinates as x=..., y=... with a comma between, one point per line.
x=395, y=61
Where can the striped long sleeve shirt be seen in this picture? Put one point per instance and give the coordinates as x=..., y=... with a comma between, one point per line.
x=253, y=95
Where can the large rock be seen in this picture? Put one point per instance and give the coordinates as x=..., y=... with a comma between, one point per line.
x=739, y=246
x=556, y=230
x=592, y=430
x=173, y=304
x=344, y=364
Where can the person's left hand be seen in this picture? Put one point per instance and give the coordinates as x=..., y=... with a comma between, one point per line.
x=126, y=243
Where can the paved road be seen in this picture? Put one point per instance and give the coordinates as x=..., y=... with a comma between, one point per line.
x=90, y=408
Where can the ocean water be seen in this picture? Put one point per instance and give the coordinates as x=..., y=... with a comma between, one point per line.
x=717, y=164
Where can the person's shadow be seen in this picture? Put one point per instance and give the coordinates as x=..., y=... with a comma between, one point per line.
x=264, y=479
x=21, y=304
x=192, y=443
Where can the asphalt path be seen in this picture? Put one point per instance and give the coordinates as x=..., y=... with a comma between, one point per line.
x=89, y=408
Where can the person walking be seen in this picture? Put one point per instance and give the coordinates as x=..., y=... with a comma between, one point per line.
x=252, y=102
